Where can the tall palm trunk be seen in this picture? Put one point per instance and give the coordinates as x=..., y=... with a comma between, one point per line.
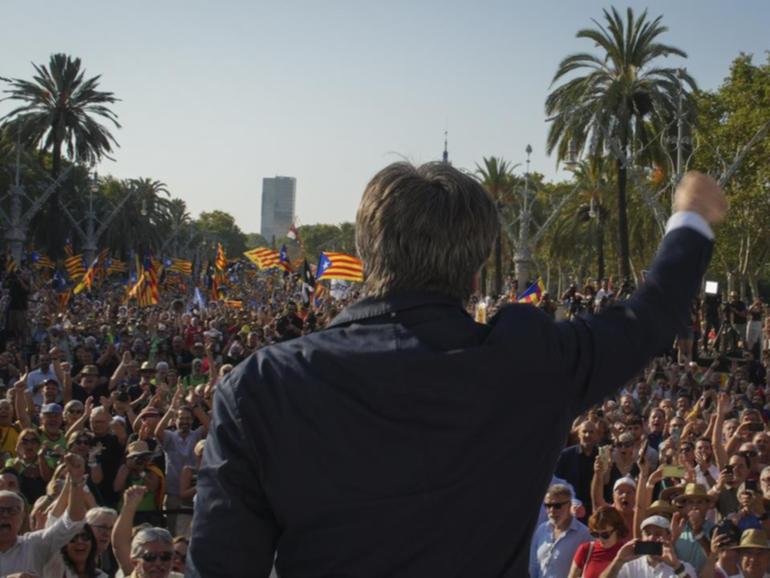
x=600, y=244
x=623, y=251
x=498, y=266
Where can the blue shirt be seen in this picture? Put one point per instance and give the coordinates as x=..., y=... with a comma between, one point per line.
x=551, y=557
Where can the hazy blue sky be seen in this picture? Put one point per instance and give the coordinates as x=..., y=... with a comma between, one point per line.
x=217, y=95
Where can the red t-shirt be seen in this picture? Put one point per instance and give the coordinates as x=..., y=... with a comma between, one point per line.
x=600, y=557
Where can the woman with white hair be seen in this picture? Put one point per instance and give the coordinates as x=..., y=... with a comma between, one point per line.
x=150, y=553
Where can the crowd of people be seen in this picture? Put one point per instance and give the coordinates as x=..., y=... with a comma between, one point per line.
x=671, y=477
x=105, y=409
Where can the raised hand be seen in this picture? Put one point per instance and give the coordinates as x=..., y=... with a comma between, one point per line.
x=133, y=495
x=701, y=194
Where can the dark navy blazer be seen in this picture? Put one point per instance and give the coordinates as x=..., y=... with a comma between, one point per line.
x=407, y=440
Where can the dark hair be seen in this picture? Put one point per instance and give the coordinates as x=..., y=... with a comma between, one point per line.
x=608, y=516
x=428, y=228
x=91, y=560
x=633, y=419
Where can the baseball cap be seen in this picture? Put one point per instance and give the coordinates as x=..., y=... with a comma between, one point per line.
x=658, y=521
x=51, y=408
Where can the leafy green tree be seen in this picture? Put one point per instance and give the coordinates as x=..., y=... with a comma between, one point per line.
x=219, y=226
x=620, y=101
x=732, y=129
x=59, y=112
x=323, y=237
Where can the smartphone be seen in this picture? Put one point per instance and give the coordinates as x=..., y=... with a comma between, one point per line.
x=674, y=472
x=729, y=469
x=750, y=485
x=756, y=427
x=648, y=549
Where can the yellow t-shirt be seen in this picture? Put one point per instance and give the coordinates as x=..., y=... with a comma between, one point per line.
x=9, y=437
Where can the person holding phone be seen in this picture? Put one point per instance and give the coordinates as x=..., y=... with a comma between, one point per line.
x=726, y=489
x=651, y=557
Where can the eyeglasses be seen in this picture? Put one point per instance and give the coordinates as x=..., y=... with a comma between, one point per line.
x=82, y=537
x=101, y=528
x=684, y=450
x=602, y=535
x=748, y=454
x=155, y=556
x=554, y=505
x=9, y=510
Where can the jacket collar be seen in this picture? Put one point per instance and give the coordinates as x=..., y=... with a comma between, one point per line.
x=394, y=303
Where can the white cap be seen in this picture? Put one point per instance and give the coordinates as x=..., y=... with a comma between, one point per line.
x=624, y=481
x=658, y=521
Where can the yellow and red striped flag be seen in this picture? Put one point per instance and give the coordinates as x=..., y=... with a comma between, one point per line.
x=221, y=262
x=263, y=257
x=75, y=267
x=339, y=266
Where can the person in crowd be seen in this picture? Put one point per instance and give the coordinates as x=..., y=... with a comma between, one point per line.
x=754, y=554
x=179, y=449
x=150, y=552
x=30, y=552
x=77, y=558
x=628, y=564
x=576, y=463
x=102, y=520
x=609, y=532
x=139, y=471
x=556, y=540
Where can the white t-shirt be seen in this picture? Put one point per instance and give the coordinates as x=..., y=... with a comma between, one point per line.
x=641, y=568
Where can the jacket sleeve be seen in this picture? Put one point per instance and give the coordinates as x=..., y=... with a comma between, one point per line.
x=604, y=351
x=234, y=532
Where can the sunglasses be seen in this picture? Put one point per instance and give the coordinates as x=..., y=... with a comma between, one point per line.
x=10, y=510
x=82, y=537
x=554, y=505
x=624, y=445
x=155, y=556
x=684, y=450
x=602, y=535
x=748, y=454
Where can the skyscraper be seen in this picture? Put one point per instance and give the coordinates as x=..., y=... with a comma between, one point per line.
x=277, y=206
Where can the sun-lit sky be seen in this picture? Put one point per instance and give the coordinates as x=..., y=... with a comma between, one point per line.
x=217, y=95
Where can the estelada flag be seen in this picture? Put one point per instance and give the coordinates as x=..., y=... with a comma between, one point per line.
x=339, y=266
x=533, y=294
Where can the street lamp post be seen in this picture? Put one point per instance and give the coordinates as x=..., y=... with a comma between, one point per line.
x=523, y=257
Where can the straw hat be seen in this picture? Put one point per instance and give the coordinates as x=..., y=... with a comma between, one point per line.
x=753, y=539
x=693, y=491
x=661, y=508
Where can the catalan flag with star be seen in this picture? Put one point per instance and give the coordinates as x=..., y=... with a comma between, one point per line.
x=533, y=294
x=339, y=266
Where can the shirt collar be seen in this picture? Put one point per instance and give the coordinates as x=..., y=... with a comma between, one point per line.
x=371, y=307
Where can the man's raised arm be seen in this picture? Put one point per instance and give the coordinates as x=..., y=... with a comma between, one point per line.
x=606, y=350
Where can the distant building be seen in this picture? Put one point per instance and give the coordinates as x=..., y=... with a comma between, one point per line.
x=278, y=196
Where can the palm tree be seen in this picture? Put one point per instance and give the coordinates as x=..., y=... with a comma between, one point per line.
x=497, y=178
x=59, y=111
x=621, y=102
x=591, y=177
